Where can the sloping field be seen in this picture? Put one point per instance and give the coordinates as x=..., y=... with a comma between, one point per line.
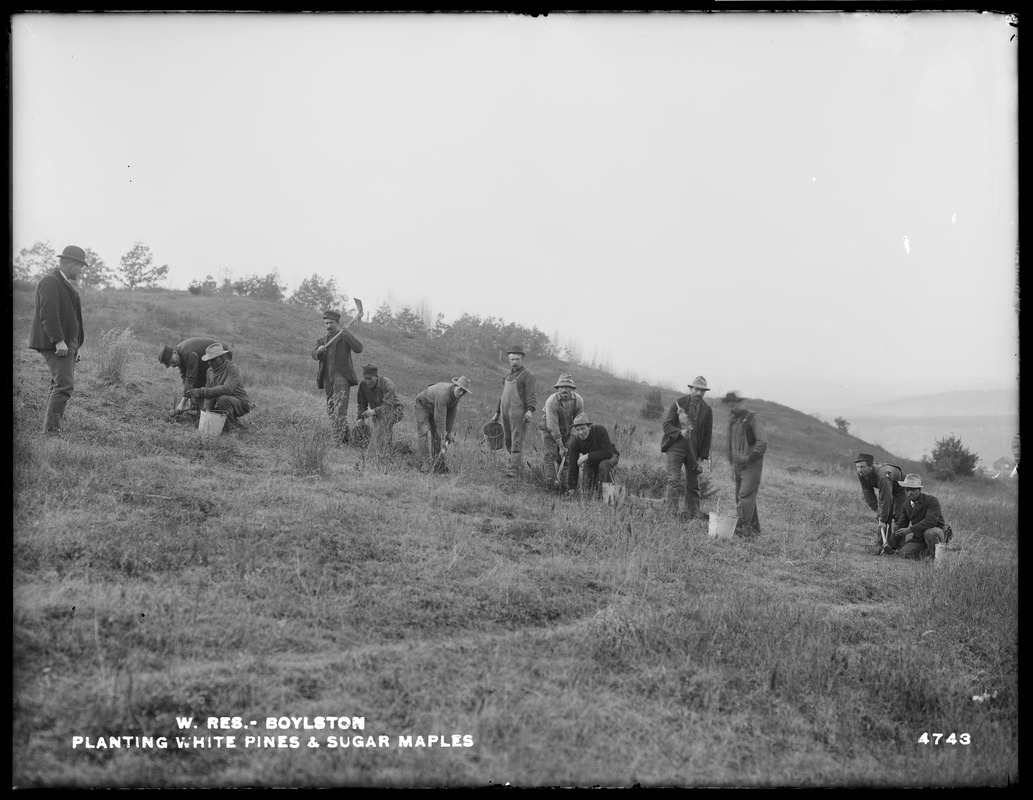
x=265, y=611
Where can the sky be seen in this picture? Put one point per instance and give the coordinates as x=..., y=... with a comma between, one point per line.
x=804, y=207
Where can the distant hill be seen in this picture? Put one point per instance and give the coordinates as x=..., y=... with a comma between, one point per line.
x=945, y=404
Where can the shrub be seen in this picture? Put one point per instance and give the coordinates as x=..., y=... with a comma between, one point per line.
x=112, y=351
x=654, y=407
x=950, y=459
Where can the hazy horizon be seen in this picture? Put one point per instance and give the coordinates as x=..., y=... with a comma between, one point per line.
x=798, y=206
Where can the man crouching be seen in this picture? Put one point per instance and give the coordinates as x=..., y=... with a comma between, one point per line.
x=224, y=387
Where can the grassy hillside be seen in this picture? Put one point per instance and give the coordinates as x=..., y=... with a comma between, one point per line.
x=561, y=643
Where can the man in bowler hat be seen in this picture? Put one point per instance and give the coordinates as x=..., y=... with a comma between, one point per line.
x=336, y=374
x=57, y=331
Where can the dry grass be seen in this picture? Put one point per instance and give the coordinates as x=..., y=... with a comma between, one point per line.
x=576, y=644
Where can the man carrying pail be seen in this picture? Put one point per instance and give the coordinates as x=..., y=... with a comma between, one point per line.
x=192, y=371
x=557, y=419
x=515, y=408
x=435, y=411
x=379, y=406
x=688, y=428
x=590, y=448
x=880, y=486
x=336, y=375
x=747, y=443
x=224, y=386
x=920, y=523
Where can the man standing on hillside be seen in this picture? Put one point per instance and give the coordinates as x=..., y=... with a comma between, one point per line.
x=223, y=389
x=590, y=448
x=435, y=409
x=192, y=371
x=920, y=523
x=57, y=331
x=747, y=443
x=557, y=418
x=516, y=407
x=336, y=375
x=882, y=492
x=687, y=428
x=379, y=406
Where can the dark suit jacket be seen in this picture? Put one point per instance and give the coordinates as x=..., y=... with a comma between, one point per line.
x=58, y=315
x=924, y=515
x=339, y=357
x=702, y=430
x=192, y=369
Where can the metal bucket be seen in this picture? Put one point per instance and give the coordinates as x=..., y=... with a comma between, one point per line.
x=494, y=435
x=210, y=424
x=722, y=527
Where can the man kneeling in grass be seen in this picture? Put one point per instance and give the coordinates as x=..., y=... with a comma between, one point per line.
x=920, y=523
x=224, y=388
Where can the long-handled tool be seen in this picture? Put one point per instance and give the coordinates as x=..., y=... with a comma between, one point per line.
x=560, y=473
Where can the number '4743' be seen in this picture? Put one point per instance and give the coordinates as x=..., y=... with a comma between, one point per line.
x=949, y=738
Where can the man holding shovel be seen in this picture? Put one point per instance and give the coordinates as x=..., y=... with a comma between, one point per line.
x=192, y=371
x=435, y=412
x=336, y=374
x=591, y=449
x=557, y=417
x=880, y=485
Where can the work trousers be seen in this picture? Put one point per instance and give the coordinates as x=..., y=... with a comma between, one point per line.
x=922, y=545
x=552, y=454
x=430, y=441
x=680, y=455
x=62, y=383
x=747, y=483
x=337, y=397
x=594, y=474
x=515, y=429
x=232, y=407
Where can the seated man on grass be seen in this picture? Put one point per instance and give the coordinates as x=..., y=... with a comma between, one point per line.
x=920, y=523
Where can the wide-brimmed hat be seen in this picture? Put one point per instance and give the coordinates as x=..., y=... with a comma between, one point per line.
x=867, y=457
x=370, y=370
x=516, y=348
x=911, y=481
x=565, y=381
x=699, y=383
x=331, y=314
x=165, y=355
x=732, y=397
x=581, y=419
x=214, y=350
x=74, y=253
x=463, y=383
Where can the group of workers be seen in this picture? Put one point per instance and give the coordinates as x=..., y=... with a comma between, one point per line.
x=574, y=447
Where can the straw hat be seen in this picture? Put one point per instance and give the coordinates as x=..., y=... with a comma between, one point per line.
x=565, y=381
x=911, y=481
x=463, y=383
x=214, y=351
x=700, y=383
